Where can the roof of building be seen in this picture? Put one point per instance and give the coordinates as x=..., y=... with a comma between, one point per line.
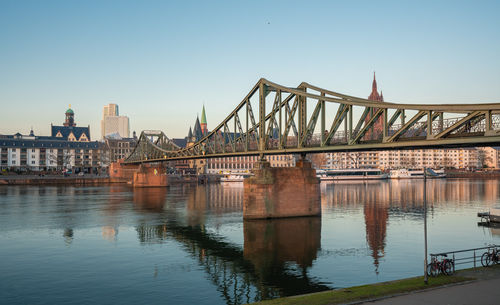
x=180, y=142
x=45, y=142
x=66, y=130
x=114, y=136
x=70, y=111
x=197, y=132
x=120, y=139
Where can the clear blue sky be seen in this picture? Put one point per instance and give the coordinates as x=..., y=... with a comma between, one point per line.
x=160, y=61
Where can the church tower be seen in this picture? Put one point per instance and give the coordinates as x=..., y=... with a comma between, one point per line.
x=374, y=96
x=70, y=118
x=203, y=124
x=376, y=130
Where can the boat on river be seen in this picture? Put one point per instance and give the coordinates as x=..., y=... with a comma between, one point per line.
x=234, y=177
x=493, y=215
x=350, y=174
x=410, y=173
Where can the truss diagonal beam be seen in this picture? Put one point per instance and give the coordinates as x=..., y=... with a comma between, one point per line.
x=312, y=123
x=458, y=124
x=339, y=117
x=406, y=126
x=368, y=125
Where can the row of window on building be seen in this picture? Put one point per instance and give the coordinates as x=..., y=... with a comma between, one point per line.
x=438, y=158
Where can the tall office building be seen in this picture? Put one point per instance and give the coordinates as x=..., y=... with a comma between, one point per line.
x=114, y=124
x=110, y=110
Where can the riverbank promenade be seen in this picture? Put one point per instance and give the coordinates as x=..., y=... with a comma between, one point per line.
x=471, y=286
x=483, y=290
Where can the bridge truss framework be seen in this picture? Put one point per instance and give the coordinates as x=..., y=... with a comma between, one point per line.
x=309, y=119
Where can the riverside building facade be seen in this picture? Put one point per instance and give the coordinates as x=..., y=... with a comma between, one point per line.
x=117, y=148
x=68, y=147
x=456, y=158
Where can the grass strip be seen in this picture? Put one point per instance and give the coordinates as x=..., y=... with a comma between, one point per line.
x=364, y=292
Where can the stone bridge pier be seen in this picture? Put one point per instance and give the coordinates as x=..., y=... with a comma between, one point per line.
x=276, y=192
x=139, y=175
x=120, y=172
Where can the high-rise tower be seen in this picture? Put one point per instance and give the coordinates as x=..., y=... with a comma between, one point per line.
x=113, y=123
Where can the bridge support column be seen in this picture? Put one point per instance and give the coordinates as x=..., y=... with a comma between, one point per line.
x=150, y=176
x=119, y=172
x=275, y=192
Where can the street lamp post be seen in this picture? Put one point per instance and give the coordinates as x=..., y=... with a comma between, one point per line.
x=425, y=226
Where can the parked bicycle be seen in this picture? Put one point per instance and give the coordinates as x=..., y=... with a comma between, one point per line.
x=444, y=266
x=490, y=257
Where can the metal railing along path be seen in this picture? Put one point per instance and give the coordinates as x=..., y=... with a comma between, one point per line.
x=470, y=257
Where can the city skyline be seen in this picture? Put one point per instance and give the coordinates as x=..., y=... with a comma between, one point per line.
x=163, y=62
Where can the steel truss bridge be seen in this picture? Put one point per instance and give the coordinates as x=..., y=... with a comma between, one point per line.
x=309, y=119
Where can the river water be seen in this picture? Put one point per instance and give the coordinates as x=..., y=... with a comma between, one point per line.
x=189, y=244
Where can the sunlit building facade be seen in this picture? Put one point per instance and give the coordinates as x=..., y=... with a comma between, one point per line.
x=457, y=158
x=68, y=147
x=114, y=124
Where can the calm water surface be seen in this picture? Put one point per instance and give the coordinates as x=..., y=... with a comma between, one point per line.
x=189, y=244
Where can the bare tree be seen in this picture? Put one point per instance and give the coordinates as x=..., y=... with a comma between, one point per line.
x=483, y=159
x=318, y=160
x=354, y=156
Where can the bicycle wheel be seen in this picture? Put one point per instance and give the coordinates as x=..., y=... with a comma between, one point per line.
x=432, y=269
x=448, y=267
x=485, y=259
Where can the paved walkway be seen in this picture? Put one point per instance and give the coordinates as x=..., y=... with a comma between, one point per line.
x=485, y=290
x=479, y=292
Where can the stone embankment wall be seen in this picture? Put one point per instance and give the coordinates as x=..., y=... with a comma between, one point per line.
x=56, y=181
x=477, y=175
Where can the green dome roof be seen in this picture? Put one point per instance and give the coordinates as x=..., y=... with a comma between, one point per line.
x=70, y=111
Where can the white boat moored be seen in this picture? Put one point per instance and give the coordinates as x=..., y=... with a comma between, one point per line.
x=350, y=174
x=234, y=177
x=410, y=173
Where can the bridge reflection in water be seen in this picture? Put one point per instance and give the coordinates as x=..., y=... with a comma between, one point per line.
x=275, y=256
x=263, y=259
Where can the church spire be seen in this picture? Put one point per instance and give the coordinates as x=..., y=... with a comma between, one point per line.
x=374, y=84
x=197, y=132
x=203, y=116
x=374, y=96
x=203, y=125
